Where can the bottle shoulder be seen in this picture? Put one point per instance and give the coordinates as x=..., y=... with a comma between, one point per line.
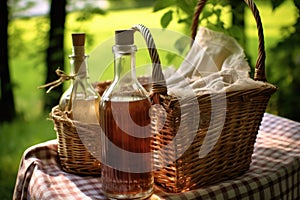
x=125, y=92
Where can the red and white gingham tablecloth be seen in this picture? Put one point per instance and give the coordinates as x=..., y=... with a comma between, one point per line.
x=274, y=172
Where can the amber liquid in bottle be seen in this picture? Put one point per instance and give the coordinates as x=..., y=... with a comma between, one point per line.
x=127, y=125
x=126, y=155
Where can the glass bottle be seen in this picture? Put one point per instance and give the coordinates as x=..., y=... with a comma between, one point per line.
x=80, y=100
x=126, y=134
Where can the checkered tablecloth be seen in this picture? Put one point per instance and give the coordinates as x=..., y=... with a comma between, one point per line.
x=274, y=172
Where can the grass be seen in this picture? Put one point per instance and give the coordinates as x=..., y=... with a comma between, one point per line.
x=15, y=138
x=27, y=70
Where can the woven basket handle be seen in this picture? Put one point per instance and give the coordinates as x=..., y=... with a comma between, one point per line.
x=259, y=74
x=159, y=85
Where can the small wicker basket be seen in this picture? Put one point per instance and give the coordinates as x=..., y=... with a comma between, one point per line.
x=78, y=141
x=74, y=156
x=238, y=121
x=78, y=154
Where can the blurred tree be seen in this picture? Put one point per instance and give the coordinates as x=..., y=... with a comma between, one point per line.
x=7, y=105
x=52, y=40
x=55, y=52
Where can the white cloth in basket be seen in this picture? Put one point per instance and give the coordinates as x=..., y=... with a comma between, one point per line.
x=215, y=62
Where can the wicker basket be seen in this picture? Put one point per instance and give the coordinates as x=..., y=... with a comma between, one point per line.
x=237, y=120
x=78, y=155
x=74, y=156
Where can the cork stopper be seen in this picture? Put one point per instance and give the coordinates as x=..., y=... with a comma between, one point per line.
x=78, y=39
x=124, y=37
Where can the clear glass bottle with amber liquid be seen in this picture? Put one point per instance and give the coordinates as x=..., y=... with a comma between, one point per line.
x=80, y=100
x=126, y=156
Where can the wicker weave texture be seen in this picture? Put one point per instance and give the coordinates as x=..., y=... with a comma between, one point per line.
x=231, y=153
x=77, y=152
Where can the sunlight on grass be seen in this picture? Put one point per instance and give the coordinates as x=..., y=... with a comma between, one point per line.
x=100, y=32
x=102, y=27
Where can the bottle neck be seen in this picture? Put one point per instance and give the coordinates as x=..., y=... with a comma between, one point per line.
x=124, y=58
x=79, y=66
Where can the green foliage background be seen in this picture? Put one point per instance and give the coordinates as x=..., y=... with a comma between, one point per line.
x=28, y=42
x=283, y=68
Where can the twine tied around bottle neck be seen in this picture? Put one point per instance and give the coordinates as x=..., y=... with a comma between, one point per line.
x=63, y=77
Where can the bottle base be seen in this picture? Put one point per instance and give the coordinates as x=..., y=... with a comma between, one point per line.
x=135, y=196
